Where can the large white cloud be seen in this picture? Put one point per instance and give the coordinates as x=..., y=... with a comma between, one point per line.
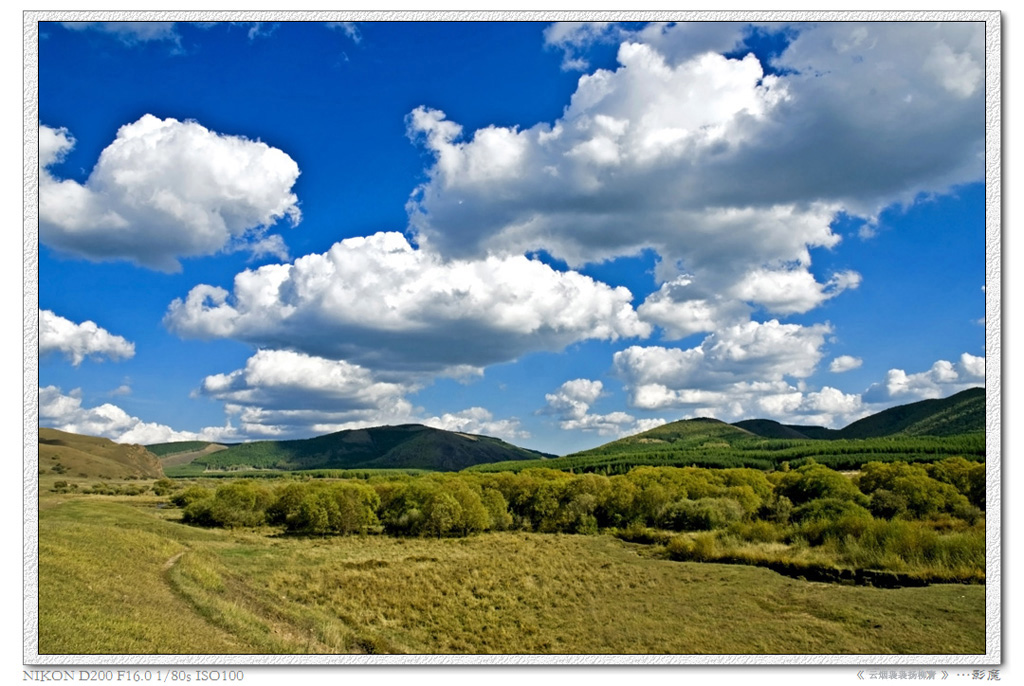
x=732, y=175
x=78, y=341
x=571, y=404
x=728, y=370
x=765, y=377
x=380, y=303
x=163, y=190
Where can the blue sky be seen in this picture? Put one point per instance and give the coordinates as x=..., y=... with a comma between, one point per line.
x=553, y=233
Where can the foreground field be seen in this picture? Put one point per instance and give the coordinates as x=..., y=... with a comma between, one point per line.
x=121, y=575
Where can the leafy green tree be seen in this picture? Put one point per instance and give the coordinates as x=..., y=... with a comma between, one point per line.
x=813, y=481
x=441, y=514
x=497, y=509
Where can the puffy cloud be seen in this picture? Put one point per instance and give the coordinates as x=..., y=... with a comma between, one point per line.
x=380, y=303
x=129, y=32
x=285, y=380
x=54, y=144
x=740, y=362
x=572, y=401
x=166, y=189
x=65, y=413
x=730, y=174
x=573, y=37
x=844, y=363
x=477, y=420
x=78, y=341
x=943, y=379
x=681, y=308
x=285, y=394
x=788, y=291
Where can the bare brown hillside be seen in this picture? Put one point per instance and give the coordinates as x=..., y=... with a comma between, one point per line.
x=61, y=452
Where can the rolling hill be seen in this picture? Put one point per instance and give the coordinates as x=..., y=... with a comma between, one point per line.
x=922, y=431
x=961, y=413
x=408, y=446
x=61, y=452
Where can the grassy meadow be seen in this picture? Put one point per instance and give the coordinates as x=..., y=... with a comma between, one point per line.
x=122, y=574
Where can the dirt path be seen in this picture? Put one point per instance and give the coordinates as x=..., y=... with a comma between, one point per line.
x=173, y=559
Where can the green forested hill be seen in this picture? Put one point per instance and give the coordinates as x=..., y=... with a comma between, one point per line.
x=958, y=414
x=961, y=413
x=923, y=431
x=409, y=446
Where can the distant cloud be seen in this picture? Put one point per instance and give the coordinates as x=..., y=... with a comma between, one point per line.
x=943, y=379
x=349, y=28
x=477, y=420
x=129, y=32
x=259, y=29
x=845, y=363
x=742, y=371
x=676, y=40
x=380, y=303
x=280, y=393
x=164, y=190
x=746, y=355
x=574, y=37
x=78, y=341
x=65, y=412
x=571, y=404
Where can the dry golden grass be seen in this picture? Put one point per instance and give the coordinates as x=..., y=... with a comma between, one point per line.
x=74, y=455
x=110, y=582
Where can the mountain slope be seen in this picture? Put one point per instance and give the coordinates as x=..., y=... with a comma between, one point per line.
x=961, y=413
x=63, y=452
x=957, y=414
x=409, y=446
x=183, y=452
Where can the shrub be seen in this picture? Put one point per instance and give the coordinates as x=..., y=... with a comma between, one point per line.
x=497, y=509
x=815, y=481
x=163, y=486
x=238, y=504
x=967, y=477
x=700, y=548
x=886, y=504
x=700, y=515
x=190, y=495
x=338, y=508
x=830, y=518
x=758, y=531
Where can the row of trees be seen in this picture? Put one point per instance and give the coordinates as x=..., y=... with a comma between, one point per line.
x=679, y=499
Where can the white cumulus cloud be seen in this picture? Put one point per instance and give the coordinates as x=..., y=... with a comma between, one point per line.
x=166, y=189
x=78, y=341
x=286, y=394
x=731, y=174
x=726, y=372
x=845, y=363
x=571, y=404
x=477, y=420
x=380, y=303
x=943, y=379
x=66, y=413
